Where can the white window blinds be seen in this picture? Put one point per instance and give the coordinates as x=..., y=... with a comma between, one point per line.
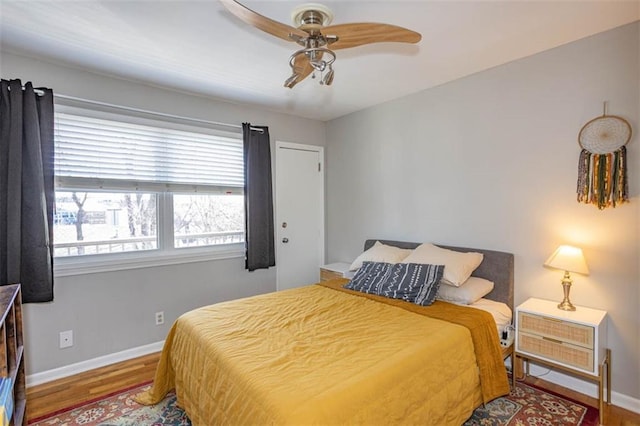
x=98, y=153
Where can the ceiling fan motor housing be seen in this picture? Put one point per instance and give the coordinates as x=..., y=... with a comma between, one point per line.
x=311, y=15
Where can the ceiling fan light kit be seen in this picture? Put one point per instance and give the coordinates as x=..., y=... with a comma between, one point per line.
x=313, y=32
x=315, y=57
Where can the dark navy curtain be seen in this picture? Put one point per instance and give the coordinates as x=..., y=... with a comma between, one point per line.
x=258, y=198
x=26, y=189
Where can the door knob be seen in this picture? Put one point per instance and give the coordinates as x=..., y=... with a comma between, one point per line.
x=285, y=240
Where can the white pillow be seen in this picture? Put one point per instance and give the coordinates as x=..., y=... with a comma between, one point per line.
x=458, y=266
x=500, y=311
x=380, y=253
x=469, y=292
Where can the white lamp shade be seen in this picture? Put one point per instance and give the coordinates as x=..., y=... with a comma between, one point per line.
x=568, y=258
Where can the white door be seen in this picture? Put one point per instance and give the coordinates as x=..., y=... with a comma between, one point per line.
x=299, y=214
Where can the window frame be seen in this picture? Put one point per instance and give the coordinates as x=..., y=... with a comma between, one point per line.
x=165, y=253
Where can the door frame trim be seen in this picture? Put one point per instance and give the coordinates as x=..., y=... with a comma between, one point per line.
x=302, y=147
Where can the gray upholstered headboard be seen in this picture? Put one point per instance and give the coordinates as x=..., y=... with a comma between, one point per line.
x=496, y=266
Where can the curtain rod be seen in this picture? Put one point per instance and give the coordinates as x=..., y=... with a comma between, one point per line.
x=144, y=111
x=38, y=92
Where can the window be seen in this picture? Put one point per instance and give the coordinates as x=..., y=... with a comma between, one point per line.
x=202, y=220
x=104, y=222
x=154, y=188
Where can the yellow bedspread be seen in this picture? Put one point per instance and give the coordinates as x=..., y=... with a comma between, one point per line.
x=313, y=355
x=493, y=377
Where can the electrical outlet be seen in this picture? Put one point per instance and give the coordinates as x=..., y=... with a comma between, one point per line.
x=160, y=318
x=66, y=339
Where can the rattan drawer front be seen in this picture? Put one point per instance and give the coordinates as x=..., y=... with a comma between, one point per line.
x=575, y=356
x=577, y=334
x=326, y=275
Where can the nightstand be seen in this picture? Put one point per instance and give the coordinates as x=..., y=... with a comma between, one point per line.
x=334, y=270
x=507, y=352
x=572, y=341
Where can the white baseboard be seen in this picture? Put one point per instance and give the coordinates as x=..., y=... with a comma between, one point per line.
x=90, y=364
x=585, y=387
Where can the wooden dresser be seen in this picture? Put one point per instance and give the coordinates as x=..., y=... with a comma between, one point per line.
x=12, y=349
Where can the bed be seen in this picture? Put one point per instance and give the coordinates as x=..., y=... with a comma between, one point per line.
x=321, y=354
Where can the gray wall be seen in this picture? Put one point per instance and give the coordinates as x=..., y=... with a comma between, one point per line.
x=491, y=161
x=114, y=311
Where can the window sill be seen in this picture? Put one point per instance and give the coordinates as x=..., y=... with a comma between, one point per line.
x=81, y=265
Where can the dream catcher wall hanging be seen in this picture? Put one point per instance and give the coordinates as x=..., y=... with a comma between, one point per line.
x=602, y=168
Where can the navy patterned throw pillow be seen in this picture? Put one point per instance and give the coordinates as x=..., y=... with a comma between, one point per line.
x=429, y=276
x=412, y=282
x=369, y=277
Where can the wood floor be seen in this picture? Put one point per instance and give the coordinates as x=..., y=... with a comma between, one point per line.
x=53, y=396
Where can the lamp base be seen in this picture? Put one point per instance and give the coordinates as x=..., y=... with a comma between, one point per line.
x=565, y=305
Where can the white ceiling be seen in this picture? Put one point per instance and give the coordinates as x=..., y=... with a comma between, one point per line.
x=197, y=46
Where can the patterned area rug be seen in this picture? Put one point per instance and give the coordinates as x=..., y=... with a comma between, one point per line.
x=527, y=405
x=119, y=410
x=524, y=406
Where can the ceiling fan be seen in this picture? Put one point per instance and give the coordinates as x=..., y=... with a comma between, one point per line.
x=313, y=32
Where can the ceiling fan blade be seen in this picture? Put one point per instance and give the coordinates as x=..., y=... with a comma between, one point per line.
x=261, y=22
x=352, y=35
x=302, y=68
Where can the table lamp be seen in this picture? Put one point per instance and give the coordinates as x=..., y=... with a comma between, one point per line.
x=569, y=259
